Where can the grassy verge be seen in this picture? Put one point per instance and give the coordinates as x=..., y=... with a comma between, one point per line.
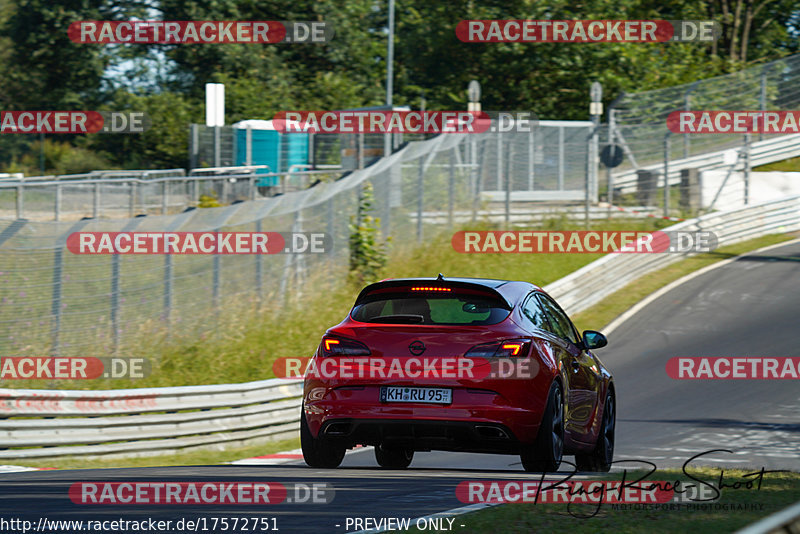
x=209, y=457
x=778, y=491
x=787, y=165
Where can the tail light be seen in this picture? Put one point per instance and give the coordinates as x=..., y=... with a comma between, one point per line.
x=339, y=346
x=511, y=348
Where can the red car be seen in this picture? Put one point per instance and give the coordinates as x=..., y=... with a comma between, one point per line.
x=458, y=364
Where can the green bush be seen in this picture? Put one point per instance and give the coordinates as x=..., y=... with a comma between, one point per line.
x=367, y=255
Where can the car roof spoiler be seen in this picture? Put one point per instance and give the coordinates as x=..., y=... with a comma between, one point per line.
x=484, y=286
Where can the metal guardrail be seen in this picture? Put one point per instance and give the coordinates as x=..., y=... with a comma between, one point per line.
x=241, y=169
x=786, y=521
x=100, y=174
x=141, y=422
x=133, y=193
x=594, y=282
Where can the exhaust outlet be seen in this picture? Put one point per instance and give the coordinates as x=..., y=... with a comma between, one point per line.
x=337, y=429
x=491, y=432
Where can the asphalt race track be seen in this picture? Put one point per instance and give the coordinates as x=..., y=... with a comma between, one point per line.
x=749, y=307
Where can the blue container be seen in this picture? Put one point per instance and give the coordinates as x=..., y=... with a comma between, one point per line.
x=270, y=147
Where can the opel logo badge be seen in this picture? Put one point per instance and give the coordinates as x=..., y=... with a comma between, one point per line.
x=416, y=347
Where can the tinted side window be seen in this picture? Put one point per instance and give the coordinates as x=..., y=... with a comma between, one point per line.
x=560, y=321
x=534, y=312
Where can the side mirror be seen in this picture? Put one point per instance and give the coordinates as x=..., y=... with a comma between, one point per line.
x=593, y=339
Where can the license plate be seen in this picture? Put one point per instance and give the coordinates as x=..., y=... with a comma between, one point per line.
x=411, y=394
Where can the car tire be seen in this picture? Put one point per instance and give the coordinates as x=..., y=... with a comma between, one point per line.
x=601, y=458
x=393, y=457
x=318, y=452
x=545, y=454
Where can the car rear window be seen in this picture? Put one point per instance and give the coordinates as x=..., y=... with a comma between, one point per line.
x=443, y=309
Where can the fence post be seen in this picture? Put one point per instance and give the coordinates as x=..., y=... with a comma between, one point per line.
x=420, y=189
x=215, y=279
x=499, y=177
x=666, y=174
x=763, y=99
x=176, y=223
x=259, y=266
x=55, y=308
x=609, y=173
x=217, y=147
x=96, y=205
x=476, y=178
x=687, y=107
x=132, y=199
x=531, y=150
x=587, y=181
x=288, y=262
x=58, y=269
x=561, y=148
x=507, y=207
x=360, y=149
x=115, y=302
x=194, y=145
x=20, y=201
x=386, y=220
x=451, y=188
x=167, y=288
x=746, y=155
x=164, y=198
x=330, y=218
x=58, y=203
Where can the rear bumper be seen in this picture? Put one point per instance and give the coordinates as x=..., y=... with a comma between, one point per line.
x=476, y=421
x=422, y=435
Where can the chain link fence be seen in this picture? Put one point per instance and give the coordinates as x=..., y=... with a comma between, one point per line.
x=637, y=125
x=55, y=302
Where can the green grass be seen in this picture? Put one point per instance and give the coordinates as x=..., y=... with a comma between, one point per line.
x=778, y=491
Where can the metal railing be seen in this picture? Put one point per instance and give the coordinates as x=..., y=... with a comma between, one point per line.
x=117, y=194
x=143, y=422
x=594, y=282
x=786, y=521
